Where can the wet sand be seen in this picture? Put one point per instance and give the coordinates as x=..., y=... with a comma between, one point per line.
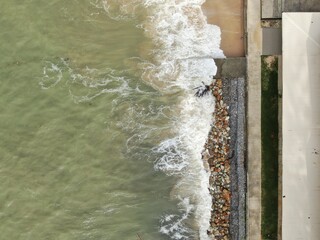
x=228, y=15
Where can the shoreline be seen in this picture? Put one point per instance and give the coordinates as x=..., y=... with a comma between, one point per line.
x=228, y=15
x=224, y=148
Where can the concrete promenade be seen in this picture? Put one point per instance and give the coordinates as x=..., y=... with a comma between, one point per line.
x=254, y=48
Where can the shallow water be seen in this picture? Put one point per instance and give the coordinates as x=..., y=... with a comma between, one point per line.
x=101, y=136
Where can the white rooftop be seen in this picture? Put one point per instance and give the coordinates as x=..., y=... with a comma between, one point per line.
x=301, y=126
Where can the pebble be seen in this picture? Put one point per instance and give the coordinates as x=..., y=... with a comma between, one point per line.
x=216, y=153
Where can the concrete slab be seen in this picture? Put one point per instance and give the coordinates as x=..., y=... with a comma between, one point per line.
x=271, y=41
x=231, y=67
x=271, y=9
x=301, y=126
x=301, y=5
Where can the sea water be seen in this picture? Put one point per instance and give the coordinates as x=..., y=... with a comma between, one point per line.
x=100, y=132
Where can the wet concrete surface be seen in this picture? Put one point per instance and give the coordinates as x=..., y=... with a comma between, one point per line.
x=229, y=16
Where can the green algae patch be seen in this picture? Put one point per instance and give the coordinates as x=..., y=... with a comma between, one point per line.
x=270, y=146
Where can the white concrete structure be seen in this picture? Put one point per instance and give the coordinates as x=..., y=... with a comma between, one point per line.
x=301, y=126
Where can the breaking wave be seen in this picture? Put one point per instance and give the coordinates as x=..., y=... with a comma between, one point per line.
x=177, y=58
x=180, y=57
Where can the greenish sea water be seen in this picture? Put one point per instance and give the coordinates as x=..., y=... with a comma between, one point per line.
x=90, y=147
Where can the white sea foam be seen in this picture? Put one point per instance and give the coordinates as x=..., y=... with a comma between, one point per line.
x=52, y=75
x=173, y=225
x=86, y=84
x=184, y=46
x=182, y=58
x=182, y=155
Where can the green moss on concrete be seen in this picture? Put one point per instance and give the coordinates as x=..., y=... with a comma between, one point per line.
x=270, y=143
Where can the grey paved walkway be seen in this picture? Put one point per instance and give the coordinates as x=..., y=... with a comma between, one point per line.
x=254, y=41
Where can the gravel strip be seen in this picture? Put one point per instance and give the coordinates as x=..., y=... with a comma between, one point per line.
x=217, y=155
